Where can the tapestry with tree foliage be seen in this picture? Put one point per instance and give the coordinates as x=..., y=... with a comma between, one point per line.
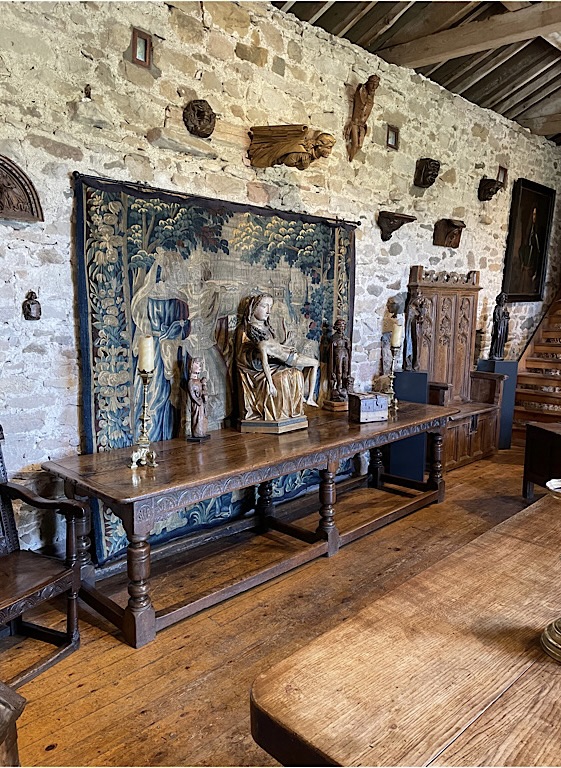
x=176, y=267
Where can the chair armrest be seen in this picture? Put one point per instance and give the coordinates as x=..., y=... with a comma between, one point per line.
x=439, y=392
x=70, y=508
x=487, y=387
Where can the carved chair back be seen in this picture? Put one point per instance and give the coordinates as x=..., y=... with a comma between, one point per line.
x=9, y=541
x=446, y=349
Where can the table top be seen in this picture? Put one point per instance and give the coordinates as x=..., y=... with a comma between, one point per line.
x=409, y=676
x=188, y=472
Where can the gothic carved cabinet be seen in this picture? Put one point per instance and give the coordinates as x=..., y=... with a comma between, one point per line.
x=445, y=336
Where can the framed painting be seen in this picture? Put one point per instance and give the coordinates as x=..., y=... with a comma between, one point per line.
x=529, y=228
x=176, y=267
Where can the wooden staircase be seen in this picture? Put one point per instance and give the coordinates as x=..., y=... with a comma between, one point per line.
x=538, y=384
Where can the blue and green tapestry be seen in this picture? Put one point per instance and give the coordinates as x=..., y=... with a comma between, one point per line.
x=176, y=267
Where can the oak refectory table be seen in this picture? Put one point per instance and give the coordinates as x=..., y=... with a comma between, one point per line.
x=190, y=472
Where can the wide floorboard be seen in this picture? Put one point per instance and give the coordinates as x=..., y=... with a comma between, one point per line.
x=184, y=699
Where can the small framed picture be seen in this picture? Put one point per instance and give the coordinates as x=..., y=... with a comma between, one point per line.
x=141, y=48
x=502, y=174
x=392, y=137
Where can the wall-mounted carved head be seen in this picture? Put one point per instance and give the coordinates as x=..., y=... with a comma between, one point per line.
x=199, y=118
x=426, y=172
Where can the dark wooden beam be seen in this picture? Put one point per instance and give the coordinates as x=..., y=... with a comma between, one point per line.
x=539, y=19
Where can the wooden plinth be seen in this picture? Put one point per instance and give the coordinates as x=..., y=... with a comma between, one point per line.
x=273, y=427
x=335, y=405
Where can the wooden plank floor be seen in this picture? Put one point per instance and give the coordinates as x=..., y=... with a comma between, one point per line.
x=184, y=699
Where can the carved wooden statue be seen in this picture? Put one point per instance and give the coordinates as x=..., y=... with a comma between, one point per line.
x=339, y=362
x=447, y=232
x=30, y=307
x=363, y=101
x=488, y=187
x=198, y=396
x=272, y=376
x=199, y=118
x=499, y=333
x=426, y=172
x=415, y=315
x=293, y=145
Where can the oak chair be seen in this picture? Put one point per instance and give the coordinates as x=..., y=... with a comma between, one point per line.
x=28, y=579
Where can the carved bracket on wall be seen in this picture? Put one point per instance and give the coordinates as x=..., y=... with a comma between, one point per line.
x=488, y=188
x=18, y=197
x=389, y=222
x=294, y=145
x=447, y=232
x=426, y=172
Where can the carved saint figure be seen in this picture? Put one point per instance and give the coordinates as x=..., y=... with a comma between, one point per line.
x=197, y=391
x=363, y=101
x=293, y=145
x=199, y=118
x=426, y=172
x=339, y=362
x=415, y=316
x=499, y=333
x=31, y=307
x=272, y=375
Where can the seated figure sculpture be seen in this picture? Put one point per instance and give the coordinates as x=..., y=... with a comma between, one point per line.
x=272, y=376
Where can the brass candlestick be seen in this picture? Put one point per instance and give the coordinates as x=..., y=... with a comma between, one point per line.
x=393, y=401
x=143, y=454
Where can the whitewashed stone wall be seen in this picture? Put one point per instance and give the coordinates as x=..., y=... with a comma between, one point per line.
x=255, y=66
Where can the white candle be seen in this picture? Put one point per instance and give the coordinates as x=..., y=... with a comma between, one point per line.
x=146, y=353
x=397, y=334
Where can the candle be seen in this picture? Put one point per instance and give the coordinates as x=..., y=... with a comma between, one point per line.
x=397, y=334
x=146, y=353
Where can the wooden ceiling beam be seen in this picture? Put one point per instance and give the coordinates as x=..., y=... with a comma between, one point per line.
x=539, y=19
x=468, y=79
x=388, y=19
x=531, y=91
x=544, y=125
x=549, y=105
x=352, y=18
x=511, y=81
x=325, y=7
x=287, y=6
x=434, y=17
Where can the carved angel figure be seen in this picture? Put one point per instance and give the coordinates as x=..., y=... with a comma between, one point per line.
x=293, y=145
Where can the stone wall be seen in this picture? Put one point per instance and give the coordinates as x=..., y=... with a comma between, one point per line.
x=256, y=66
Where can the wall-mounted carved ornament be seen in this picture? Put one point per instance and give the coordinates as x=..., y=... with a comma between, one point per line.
x=293, y=145
x=389, y=222
x=488, y=187
x=447, y=232
x=18, y=197
x=31, y=308
x=426, y=172
x=363, y=101
x=199, y=118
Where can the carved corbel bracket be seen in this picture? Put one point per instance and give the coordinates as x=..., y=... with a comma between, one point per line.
x=389, y=222
x=426, y=172
x=488, y=188
x=18, y=197
x=447, y=232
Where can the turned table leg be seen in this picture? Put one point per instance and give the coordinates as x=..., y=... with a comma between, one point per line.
x=83, y=537
x=375, y=468
x=265, y=507
x=139, y=621
x=327, y=497
x=436, y=479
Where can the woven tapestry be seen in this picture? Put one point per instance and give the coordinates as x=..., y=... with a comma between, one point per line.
x=176, y=267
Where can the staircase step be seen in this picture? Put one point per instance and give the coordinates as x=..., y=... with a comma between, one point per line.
x=538, y=396
x=547, y=349
x=524, y=415
x=550, y=336
x=538, y=379
x=543, y=362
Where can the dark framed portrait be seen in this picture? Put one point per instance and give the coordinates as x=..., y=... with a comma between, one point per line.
x=529, y=228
